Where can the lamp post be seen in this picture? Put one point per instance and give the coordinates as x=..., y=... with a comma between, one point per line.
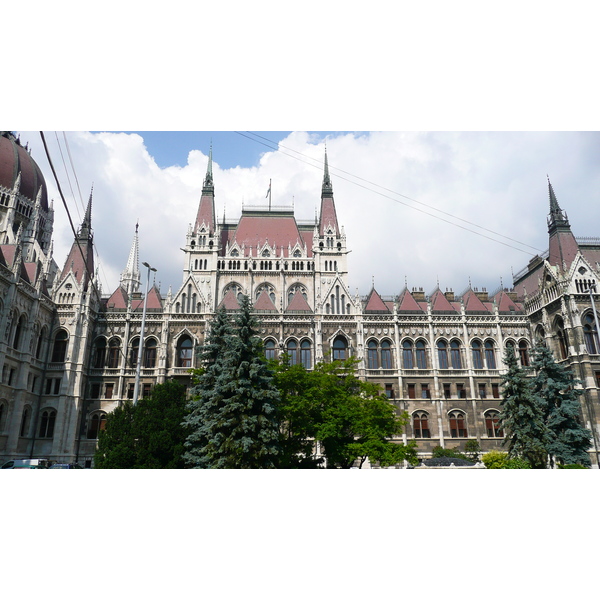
x=136, y=389
x=592, y=288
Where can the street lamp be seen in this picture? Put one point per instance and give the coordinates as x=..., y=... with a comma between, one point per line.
x=136, y=389
x=592, y=288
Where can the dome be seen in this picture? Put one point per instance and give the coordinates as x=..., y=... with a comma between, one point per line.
x=14, y=159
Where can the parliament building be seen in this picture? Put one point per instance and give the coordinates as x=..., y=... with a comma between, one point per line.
x=68, y=353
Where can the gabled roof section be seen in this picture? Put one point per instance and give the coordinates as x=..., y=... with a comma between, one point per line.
x=230, y=301
x=439, y=303
x=298, y=304
x=8, y=254
x=407, y=303
x=562, y=245
x=118, y=299
x=29, y=272
x=505, y=304
x=154, y=301
x=206, y=208
x=473, y=304
x=263, y=302
x=375, y=304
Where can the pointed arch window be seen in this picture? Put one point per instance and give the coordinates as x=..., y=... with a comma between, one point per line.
x=407, y=355
x=47, y=424
x=477, y=356
x=133, y=352
x=492, y=424
x=99, y=353
x=372, y=358
x=455, y=357
x=442, y=348
x=25, y=419
x=114, y=354
x=590, y=334
x=184, y=352
x=19, y=332
x=421, y=355
x=421, y=424
x=386, y=355
x=96, y=424
x=340, y=348
x=490, y=355
x=59, y=350
x=270, y=350
x=524, y=353
x=40, y=343
x=292, y=352
x=305, y=354
x=458, y=425
x=561, y=336
x=150, y=354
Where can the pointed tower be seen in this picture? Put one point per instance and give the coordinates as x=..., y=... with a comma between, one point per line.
x=328, y=219
x=80, y=260
x=206, y=209
x=562, y=245
x=130, y=277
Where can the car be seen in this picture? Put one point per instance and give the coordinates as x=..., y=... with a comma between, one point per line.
x=27, y=463
x=66, y=466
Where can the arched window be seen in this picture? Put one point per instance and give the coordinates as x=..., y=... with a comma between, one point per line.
x=184, y=352
x=407, y=355
x=96, y=424
x=40, y=343
x=458, y=426
x=540, y=336
x=150, y=354
x=491, y=424
x=114, y=354
x=99, y=353
x=305, y=356
x=421, y=355
x=524, y=353
x=47, y=424
x=133, y=352
x=340, y=347
x=477, y=357
x=25, y=418
x=386, y=355
x=590, y=334
x=561, y=336
x=19, y=332
x=442, y=348
x=59, y=350
x=455, y=354
x=372, y=358
x=292, y=351
x=2, y=413
x=270, y=349
x=421, y=424
x=490, y=355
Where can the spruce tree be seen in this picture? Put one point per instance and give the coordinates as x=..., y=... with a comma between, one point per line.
x=522, y=415
x=235, y=416
x=555, y=385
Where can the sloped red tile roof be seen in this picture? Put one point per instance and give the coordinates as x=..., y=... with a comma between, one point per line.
x=375, y=303
x=407, y=303
x=505, y=304
x=206, y=213
x=118, y=299
x=562, y=246
x=473, y=303
x=154, y=300
x=440, y=303
x=328, y=216
x=263, y=302
x=299, y=304
x=8, y=252
x=230, y=301
x=76, y=263
x=31, y=270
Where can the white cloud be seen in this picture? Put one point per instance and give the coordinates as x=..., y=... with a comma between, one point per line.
x=496, y=180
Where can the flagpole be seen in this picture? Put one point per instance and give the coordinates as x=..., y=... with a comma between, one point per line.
x=269, y=195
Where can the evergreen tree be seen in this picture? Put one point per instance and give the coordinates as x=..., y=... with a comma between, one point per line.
x=235, y=414
x=158, y=428
x=116, y=443
x=207, y=398
x=555, y=385
x=522, y=415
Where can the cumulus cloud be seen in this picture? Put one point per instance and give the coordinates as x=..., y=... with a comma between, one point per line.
x=494, y=180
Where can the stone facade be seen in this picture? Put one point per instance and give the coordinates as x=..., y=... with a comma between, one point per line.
x=68, y=353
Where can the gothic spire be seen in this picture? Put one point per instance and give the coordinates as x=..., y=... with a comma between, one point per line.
x=208, y=180
x=557, y=217
x=130, y=277
x=327, y=187
x=85, y=231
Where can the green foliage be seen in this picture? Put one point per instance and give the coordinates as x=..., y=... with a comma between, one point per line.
x=554, y=385
x=522, y=416
x=350, y=419
x=472, y=450
x=500, y=460
x=147, y=436
x=233, y=419
x=116, y=444
x=439, y=452
x=158, y=427
x=573, y=466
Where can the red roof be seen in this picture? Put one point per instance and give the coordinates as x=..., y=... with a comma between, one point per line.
x=8, y=253
x=154, y=300
x=230, y=301
x=206, y=213
x=407, y=303
x=118, y=299
x=328, y=216
x=264, y=302
x=76, y=263
x=31, y=271
x=298, y=304
x=505, y=304
x=375, y=303
x=563, y=247
x=473, y=303
x=439, y=303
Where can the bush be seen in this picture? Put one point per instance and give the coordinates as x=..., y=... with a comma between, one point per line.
x=495, y=459
x=571, y=466
x=439, y=452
